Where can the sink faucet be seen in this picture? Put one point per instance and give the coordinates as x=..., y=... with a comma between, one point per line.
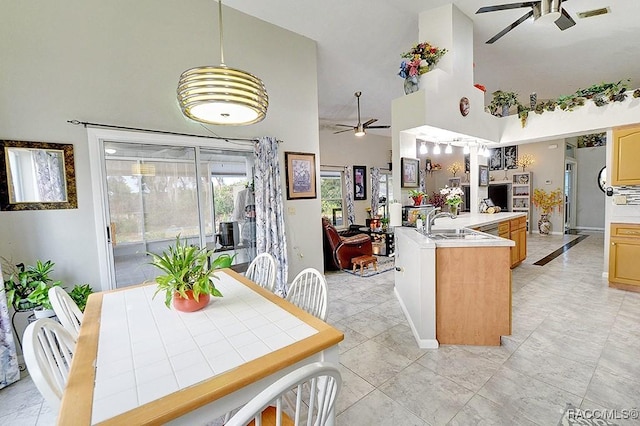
x=433, y=215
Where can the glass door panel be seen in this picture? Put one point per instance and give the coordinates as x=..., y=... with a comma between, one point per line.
x=152, y=198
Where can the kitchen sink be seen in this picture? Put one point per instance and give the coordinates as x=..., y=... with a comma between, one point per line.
x=457, y=234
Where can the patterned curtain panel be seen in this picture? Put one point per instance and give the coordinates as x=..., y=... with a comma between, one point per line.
x=49, y=170
x=9, y=371
x=375, y=190
x=348, y=181
x=423, y=181
x=270, y=236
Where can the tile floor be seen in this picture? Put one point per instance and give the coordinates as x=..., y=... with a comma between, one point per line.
x=574, y=340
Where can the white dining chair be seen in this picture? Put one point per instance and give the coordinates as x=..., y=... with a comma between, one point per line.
x=262, y=271
x=312, y=405
x=66, y=310
x=48, y=349
x=309, y=292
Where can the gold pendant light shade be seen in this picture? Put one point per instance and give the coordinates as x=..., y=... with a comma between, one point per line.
x=222, y=95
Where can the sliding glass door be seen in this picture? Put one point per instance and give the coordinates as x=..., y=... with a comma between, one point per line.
x=156, y=193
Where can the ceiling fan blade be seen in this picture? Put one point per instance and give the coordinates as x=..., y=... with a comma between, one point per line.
x=343, y=125
x=342, y=131
x=565, y=21
x=378, y=127
x=506, y=6
x=366, y=123
x=510, y=27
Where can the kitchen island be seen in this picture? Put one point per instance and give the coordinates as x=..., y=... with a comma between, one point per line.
x=456, y=289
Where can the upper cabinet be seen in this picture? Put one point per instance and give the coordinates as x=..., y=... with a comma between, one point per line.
x=626, y=157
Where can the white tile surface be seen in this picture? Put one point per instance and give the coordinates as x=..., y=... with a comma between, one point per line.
x=146, y=351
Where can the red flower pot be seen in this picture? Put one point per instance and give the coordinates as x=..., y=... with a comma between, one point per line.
x=190, y=304
x=417, y=200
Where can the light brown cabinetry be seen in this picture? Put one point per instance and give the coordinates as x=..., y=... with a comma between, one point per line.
x=473, y=295
x=626, y=156
x=515, y=230
x=624, y=252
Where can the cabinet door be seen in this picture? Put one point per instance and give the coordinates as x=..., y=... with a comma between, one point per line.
x=515, y=254
x=626, y=157
x=522, y=246
x=624, y=267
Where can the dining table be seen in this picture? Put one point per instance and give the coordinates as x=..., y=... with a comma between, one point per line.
x=138, y=362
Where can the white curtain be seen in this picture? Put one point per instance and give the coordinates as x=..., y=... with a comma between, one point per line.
x=348, y=181
x=375, y=190
x=9, y=371
x=49, y=169
x=270, y=235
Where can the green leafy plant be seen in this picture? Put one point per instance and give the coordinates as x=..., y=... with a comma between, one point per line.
x=186, y=268
x=80, y=294
x=416, y=193
x=24, y=279
x=502, y=98
x=40, y=295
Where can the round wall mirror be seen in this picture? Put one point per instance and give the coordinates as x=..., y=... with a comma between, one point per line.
x=602, y=178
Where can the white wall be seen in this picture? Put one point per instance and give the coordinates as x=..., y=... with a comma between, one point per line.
x=590, y=199
x=118, y=62
x=346, y=149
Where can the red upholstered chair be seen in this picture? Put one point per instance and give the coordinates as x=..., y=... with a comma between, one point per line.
x=339, y=250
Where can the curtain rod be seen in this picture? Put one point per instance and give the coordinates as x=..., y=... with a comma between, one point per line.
x=112, y=126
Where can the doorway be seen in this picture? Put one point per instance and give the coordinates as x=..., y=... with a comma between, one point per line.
x=156, y=190
x=570, y=178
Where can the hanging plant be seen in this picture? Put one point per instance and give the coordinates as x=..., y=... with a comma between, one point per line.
x=570, y=102
x=523, y=114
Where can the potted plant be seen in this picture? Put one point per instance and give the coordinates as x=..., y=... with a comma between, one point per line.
x=28, y=285
x=40, y=298
x=453, y=198
x=188, y=280
x=416, y=195
x=546, y=202
x=501, y=102
x=80, y=294
x=419, y=60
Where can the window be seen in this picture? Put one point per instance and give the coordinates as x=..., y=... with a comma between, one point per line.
x=331, y=196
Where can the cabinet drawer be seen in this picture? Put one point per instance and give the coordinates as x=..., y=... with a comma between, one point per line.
x=625, y=230
x=503, y=227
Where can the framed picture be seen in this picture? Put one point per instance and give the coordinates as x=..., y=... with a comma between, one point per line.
x=359, y=183
x=454, y=182
x=467, y=163
x=301, y=175
x=409, y=172
x=510, y=157
x=484, y=176
x=495, y=158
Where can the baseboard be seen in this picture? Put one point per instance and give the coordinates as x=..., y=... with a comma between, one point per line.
x=422, y=343
x=588, y=228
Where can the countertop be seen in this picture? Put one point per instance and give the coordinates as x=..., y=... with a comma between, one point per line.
x=474, y=220
x=424, y=241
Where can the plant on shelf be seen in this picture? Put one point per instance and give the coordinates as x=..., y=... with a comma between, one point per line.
x=501, y=102
x=187, y=281
x=453, y=197
x=525, y=160
x=454, y=168
x=416, y=195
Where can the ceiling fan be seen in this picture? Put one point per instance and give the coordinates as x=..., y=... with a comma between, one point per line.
x=360, y=128
x=541, y=10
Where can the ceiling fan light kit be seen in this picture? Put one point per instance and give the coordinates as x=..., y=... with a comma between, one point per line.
x=360, y=128
x=222, y=95
x=541, y=11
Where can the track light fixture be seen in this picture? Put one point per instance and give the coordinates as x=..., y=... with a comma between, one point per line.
x=466, y=149
x=436, y=148
x=448, y=149
x=423, y=148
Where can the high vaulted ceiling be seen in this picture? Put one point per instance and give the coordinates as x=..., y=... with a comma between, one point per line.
x=360, y=43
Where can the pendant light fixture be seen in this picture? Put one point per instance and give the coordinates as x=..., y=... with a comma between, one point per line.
x=423, y=148
x=222, y=95
x=436, y=149
x=466, y=149
x=448, y=149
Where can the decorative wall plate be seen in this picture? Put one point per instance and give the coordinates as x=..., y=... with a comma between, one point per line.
x=464, y=106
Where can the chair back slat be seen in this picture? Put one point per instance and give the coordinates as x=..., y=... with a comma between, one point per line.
x=309, y=292
x=262, y=271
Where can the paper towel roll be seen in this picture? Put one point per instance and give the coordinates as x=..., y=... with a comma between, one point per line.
x=395, y=214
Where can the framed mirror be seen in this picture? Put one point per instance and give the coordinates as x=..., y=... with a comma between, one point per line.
x=37, y=176
x=602, y=178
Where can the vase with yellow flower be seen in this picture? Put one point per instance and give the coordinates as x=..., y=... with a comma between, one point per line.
x=546, y=202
